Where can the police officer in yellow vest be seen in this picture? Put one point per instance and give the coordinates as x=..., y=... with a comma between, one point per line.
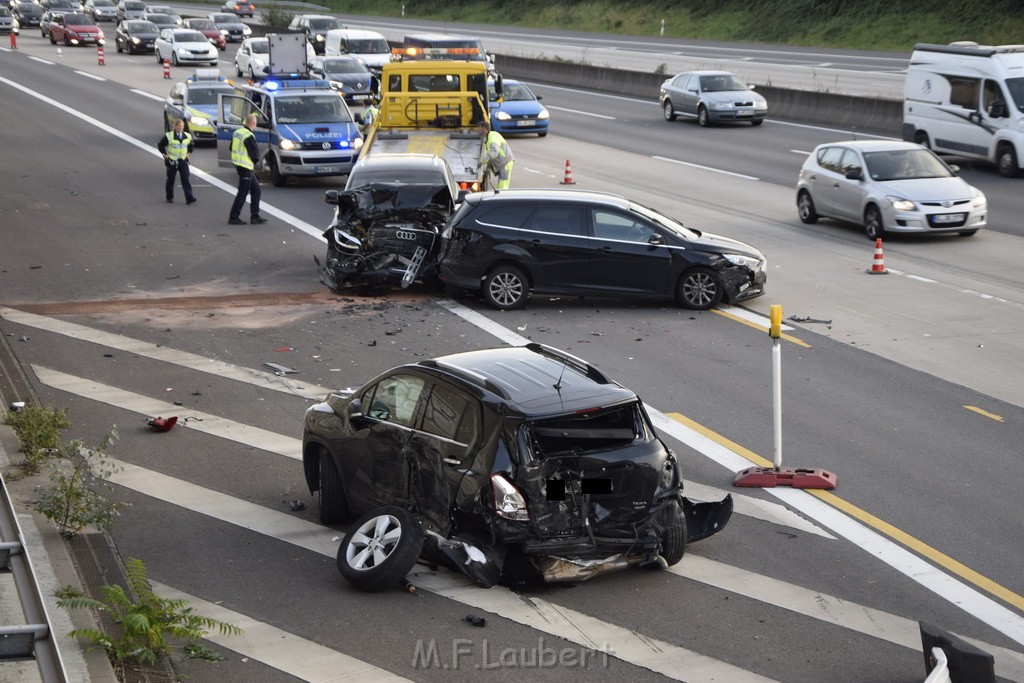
x=176, y=146
x=370, y=115
x=245, y=154
x=497, y=156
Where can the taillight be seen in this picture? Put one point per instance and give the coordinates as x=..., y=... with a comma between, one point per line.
x=508, y=501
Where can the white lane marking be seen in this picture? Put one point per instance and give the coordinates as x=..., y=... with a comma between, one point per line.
x=948, y=588
x=41, y=60
x=148, y=95
x=830, y=609
x=800, y=152
x=279, y=649
x=629, y=646
x=143, y=405
x=705, y=168
x=484, y=323
x=149, y=148
x=89, y=75
x=167, y=355
x=584, y=113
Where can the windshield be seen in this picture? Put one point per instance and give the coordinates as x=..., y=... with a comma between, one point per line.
x=664, y=221
x=225, y=19
x=206, y=95
x=102, y=3
x=164, y=19
x=319, y=109
x=905, y=164
x=54, y=4
x=79, y=20
x=1016, y=88
x=133, y=6
x=202, y=24
x=343, y=66
x=260, y=47
x=368, y=47
x=511, y=92
x=721, y=83
x=325, y=24
x=143, y=27
x=29, y=8
x=189, y=37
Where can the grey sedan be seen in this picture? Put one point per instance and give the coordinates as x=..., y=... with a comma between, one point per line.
x=711, y=97
x=888, y=186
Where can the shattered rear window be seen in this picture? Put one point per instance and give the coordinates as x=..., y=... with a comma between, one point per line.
x=588, y=432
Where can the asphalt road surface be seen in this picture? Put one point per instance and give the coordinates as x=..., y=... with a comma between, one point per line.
x=905, y=385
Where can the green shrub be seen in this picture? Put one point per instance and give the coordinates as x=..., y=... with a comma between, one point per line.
x=76, y=499
x=277, y=16
x=144, y=621
x=39, y=431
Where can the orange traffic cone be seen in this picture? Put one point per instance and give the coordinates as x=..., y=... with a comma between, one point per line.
x=878, y=262
x=14, y=41
x=99, y=55
x=568, y=174
x=167, y=68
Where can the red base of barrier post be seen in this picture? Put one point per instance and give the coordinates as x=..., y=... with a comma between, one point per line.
x=99, y=56
x=167, y=68
x=769, y=477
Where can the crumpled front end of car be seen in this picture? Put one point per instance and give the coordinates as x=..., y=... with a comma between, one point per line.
x=383, y=235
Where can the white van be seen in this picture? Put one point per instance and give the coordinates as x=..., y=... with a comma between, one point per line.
x=369, y=47
x=967, y=99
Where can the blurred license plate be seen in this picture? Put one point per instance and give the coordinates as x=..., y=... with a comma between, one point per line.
x=524, y=123
x=745, y=112
x=359, y=98
x=328, y=169
x=948, y=218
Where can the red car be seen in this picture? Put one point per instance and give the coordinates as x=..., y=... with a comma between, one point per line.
x=208, y=29
x=75, y=29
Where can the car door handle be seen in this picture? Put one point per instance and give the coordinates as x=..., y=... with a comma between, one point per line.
x=835, y=185
x=452, y=461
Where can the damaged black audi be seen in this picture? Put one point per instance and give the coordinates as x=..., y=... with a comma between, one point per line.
x=511, y=465
x=384, y=235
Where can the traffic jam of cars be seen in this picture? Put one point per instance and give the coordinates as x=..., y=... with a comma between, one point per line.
x=519, y=464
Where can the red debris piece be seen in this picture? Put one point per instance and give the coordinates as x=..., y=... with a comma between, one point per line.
x=162, y=424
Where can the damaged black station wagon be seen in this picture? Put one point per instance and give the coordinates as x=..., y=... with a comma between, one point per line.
x=511, y=465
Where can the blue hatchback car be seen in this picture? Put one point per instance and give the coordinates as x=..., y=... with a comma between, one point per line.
x=519, y=111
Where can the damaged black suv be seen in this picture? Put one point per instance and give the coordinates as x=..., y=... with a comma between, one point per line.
x=511, y=465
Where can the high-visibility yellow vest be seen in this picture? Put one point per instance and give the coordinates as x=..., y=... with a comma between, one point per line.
x=239, y=154
x=497, y=153
x=178, y=149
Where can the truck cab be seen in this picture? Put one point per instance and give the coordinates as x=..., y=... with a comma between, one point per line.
x=432, y=107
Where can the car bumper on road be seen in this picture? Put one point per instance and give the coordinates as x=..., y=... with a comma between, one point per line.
x=937, y=222
x=520, y=126
x=729, y=116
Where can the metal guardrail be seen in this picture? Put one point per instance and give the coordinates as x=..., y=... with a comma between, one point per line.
x=34, y=639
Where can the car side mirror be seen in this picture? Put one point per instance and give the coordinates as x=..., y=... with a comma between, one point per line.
x=997, y=110
x=331, y=197
x=358, y=118
x=540, y=97
x=355, y=410
x=655, y=240
x=461, y=196
x=854, y=174
x=750, y=86
x=954, y=169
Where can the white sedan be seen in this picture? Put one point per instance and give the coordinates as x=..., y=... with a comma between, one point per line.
x=185, y=46
x=252, y=56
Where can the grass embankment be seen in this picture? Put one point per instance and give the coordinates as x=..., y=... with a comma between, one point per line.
x=859, y=24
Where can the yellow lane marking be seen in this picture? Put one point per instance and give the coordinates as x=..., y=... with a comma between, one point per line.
x=787, y=337
x=920, y=547
x=979, y=411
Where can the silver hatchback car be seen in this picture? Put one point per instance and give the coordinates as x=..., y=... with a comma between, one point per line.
x=888, y=187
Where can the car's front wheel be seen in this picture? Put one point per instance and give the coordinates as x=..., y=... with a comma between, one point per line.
x=333, y=503
x=699, y=289
x=506, y=288
x=117, y=46
x=703, y=117
x=174, y=58
x=380, y=549
x=757, y=122
x=668, y=110
x=805, y=207
x=277, y=178
x=873, y=225
x=1006, y=160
